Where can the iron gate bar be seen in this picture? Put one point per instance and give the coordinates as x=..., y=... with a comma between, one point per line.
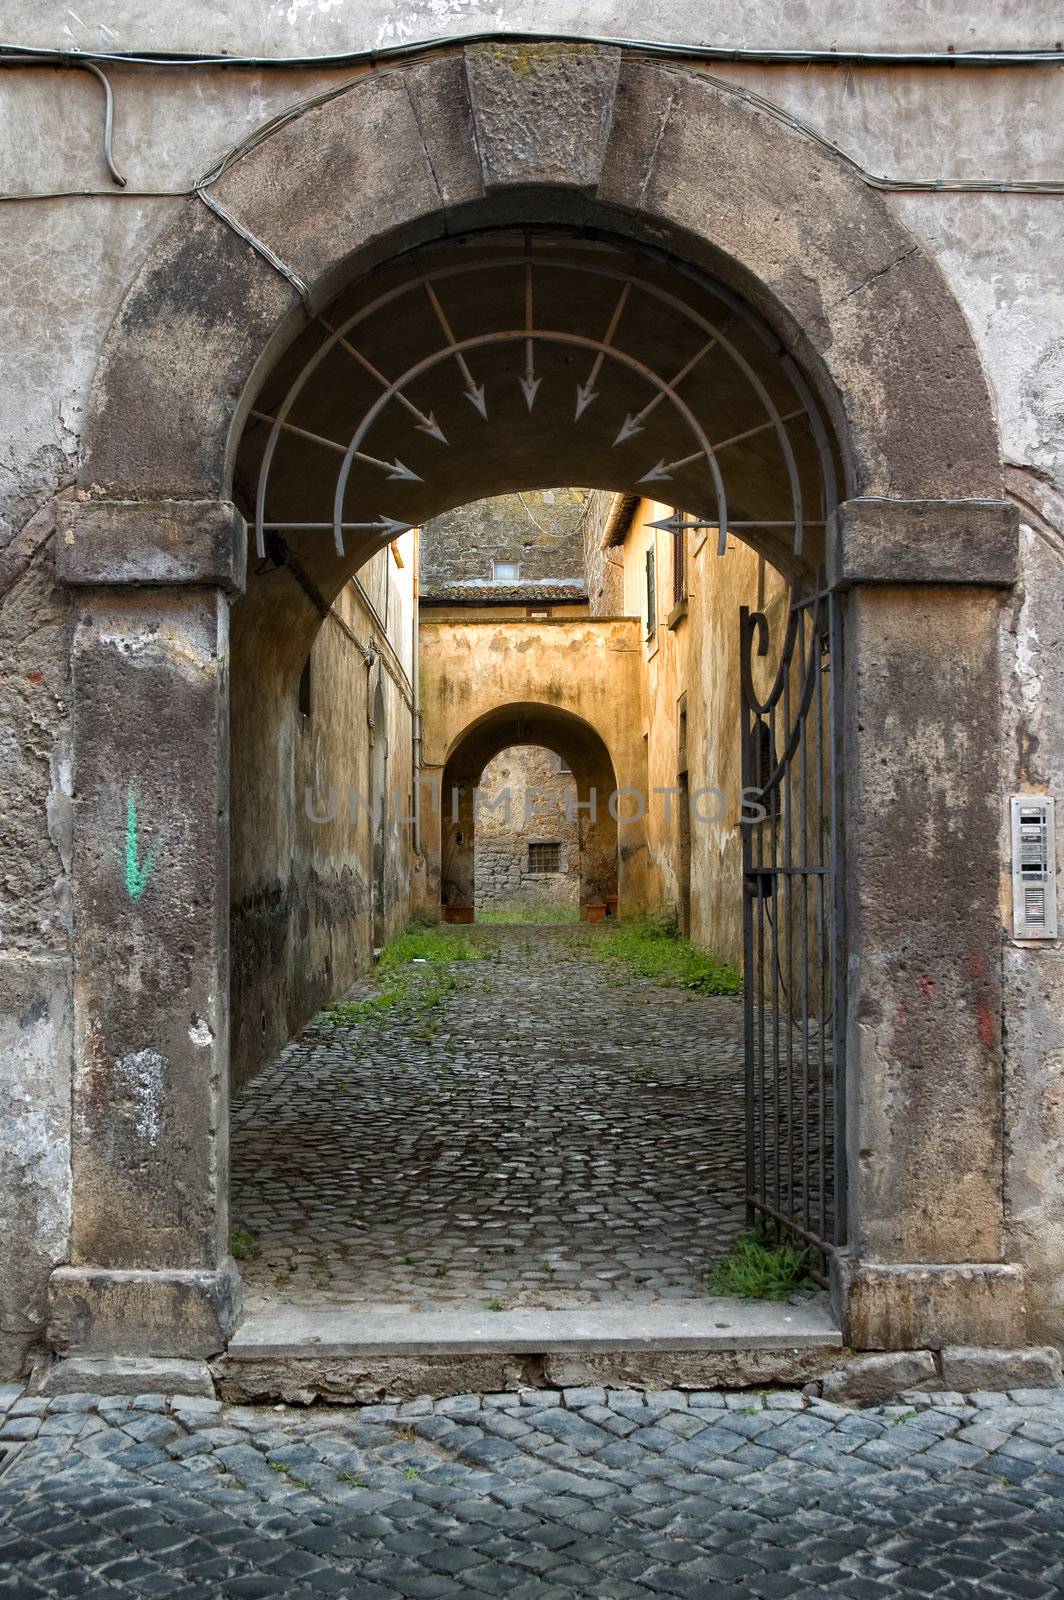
x=823, y=932
x=792, y=928
x=837, y=646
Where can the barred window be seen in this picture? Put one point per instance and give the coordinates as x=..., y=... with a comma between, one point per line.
x=679, y=561
x=545, y=857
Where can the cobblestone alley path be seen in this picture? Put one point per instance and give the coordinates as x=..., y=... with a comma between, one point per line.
x=552, y=1133
x=544, y=1495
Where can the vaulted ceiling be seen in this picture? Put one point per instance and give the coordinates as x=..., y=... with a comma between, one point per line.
x=509, y=361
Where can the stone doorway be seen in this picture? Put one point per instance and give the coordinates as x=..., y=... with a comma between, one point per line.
x=573, y=143
x=527, y=849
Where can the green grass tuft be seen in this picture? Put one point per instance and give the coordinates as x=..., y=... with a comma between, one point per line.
x=414, y=975
x=652, y=949
x=437, y=945
x=515, y=913
x=757, y=1268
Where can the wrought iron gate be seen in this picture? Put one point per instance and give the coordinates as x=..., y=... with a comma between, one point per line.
x=792, y=921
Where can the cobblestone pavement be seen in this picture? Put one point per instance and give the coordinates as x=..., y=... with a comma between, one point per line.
x=552, y=1134
x=544, y=1495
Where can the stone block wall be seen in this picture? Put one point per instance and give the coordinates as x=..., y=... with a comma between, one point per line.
x=603, y=569
x=540, y=530
x=537, y=787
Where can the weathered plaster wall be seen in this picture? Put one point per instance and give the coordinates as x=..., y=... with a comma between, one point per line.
x=690, y=663
x=35, y=986
x=528, y=796
x=302, y=850
x=274, y=25
x=1033, y=649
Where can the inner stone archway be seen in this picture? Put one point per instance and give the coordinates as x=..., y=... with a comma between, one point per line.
x=594, y=811
x=526, y=851
x=585, y=140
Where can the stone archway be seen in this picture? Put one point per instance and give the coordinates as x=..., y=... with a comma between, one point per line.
x=580, y=138
x=594, y=778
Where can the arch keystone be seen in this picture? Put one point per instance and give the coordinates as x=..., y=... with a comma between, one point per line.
x=542, y=112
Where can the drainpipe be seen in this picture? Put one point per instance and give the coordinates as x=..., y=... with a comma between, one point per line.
x=370, y=656
x=415, y=677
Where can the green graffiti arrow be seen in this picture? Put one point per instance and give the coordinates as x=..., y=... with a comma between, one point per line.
x=137, y=871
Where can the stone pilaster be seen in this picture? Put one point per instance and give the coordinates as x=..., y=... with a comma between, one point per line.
x=921, y=586
x=150, y=1271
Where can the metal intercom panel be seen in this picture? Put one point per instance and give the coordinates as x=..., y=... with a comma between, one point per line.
x=1034, y=855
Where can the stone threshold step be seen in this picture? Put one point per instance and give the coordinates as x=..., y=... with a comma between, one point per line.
x=280, y=1331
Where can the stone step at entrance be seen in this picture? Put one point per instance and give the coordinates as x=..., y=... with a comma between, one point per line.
x=297, y=1353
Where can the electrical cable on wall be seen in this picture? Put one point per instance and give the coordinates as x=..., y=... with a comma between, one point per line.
x=22, y=56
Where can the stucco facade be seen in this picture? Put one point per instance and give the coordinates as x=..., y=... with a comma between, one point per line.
x=568, y=685
x=690, y=703
x=927, y=321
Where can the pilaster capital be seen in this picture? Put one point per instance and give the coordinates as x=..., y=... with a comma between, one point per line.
x=151, y=543
x=971, y=542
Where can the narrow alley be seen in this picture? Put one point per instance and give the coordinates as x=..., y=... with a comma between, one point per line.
x=552, y=1131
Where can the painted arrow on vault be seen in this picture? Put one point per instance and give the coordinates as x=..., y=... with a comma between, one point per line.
x=586, y=392
x=674, y=524
x=394, y=468
x=634, y=424
x=529, y=383
x=426, y=423
x=386, y=525
x=665, y=469
x=474, y=392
